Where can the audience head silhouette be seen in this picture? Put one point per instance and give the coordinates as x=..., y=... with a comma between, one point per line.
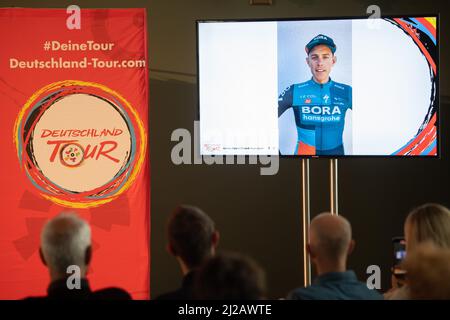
x=428, y=223
x=330, y=241
x=230, y=276
x=192, y=237
x=66, y=251
x=65, y=241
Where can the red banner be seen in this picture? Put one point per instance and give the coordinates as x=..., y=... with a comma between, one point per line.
x=73, y=121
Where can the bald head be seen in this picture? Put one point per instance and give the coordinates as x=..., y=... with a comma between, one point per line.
x=330, y=236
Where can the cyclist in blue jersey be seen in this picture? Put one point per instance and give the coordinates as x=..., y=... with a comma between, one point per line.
x=319, y=104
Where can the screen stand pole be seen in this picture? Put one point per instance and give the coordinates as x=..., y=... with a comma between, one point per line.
x=334, y=186
x=306, y=220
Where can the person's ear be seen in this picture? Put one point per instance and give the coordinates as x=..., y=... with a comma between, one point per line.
x=310, y=251
x=334, y=59
x=215, y=239
x=41, y=255
x=351, y=247
x=171, y=250
x=88, y=256
x=307, y=60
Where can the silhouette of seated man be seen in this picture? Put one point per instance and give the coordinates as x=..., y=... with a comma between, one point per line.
x=330, y=242
x=230, y=276
x=192, y=240
x=65, y=250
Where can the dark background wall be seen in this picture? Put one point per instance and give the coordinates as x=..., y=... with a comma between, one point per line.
x=261, y=215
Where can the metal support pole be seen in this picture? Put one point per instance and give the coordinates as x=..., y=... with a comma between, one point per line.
x=334, y=186
x=306, y=220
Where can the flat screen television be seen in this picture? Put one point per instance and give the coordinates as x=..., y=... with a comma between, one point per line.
x=319, y=87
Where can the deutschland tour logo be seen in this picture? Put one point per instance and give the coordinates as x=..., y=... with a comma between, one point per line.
x=81, y=144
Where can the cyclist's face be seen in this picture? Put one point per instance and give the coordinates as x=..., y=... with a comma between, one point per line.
x=320, y=59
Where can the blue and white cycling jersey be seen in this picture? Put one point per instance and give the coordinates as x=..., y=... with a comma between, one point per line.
x=319, y=111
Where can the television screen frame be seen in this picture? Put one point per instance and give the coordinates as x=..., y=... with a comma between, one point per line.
x=438, y=154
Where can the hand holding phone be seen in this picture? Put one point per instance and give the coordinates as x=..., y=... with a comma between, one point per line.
x=399, y=246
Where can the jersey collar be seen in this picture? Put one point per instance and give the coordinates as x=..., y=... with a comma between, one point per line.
x=322, y=85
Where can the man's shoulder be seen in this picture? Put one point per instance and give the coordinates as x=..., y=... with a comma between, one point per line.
x=336, y=290
x=304, y=84
x=341, y=91
x=111, y=293
x=299, y=85
x=308, y=293
x=341, y=86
